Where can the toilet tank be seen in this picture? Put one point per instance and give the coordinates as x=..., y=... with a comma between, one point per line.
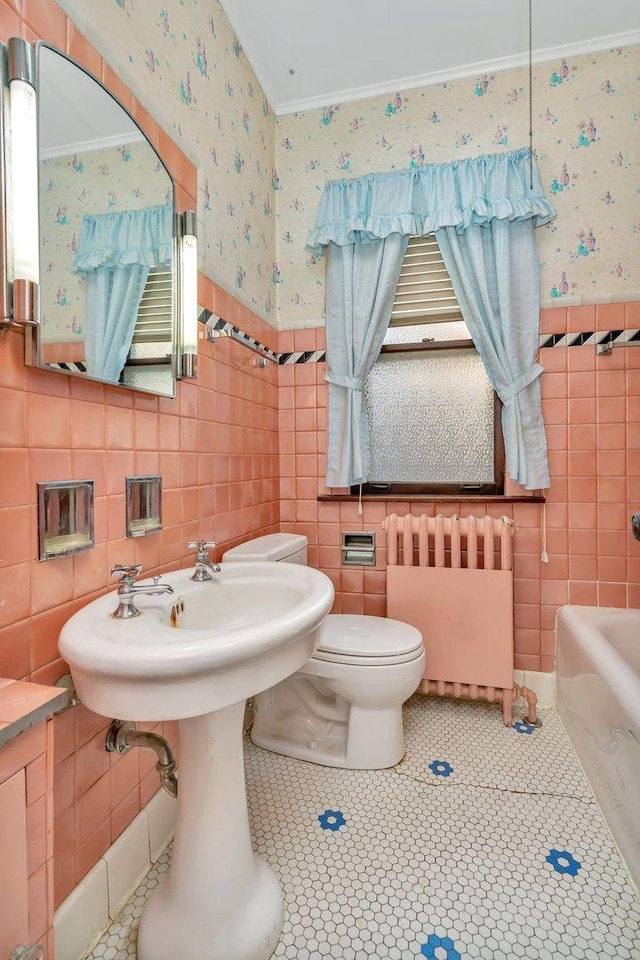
x=288, y=547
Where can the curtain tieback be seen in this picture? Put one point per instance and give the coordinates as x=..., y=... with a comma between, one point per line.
x=351, y=383
x=516, y=386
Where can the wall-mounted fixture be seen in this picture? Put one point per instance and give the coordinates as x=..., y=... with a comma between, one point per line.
x=215, y=327
x=139, y=326
x=616, y=338
x=20, y=258
x=187, y=233
x=358, y=549
x=65, y=518
x=144, y=505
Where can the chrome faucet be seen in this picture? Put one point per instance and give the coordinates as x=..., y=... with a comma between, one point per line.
x=635, y=525
x=128, y=588
x=205, y=567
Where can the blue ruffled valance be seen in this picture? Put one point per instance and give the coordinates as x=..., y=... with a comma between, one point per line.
x=420, y=200
x=124, y=238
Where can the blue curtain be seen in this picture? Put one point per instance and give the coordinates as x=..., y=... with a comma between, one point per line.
x=484, y=209
x=494, y=272
x=115, y=252
x=113, y=298
x=361, y=286
x=420, y=200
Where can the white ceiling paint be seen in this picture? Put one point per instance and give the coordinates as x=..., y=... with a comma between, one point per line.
x=343, y=50
x=75, y=113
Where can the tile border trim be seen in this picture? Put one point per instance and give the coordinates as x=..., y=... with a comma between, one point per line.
x=545, y=340
x=224, y=326
x=589, y=338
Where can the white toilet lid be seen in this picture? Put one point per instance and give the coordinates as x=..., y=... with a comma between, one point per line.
x=376, y=639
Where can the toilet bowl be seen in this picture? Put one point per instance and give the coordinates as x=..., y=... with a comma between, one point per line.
x=343, y=708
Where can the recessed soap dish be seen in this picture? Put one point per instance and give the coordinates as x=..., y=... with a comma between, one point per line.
x=65, y=518
x=144, y=505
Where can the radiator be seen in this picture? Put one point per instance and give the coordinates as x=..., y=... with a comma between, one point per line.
x=452, y=578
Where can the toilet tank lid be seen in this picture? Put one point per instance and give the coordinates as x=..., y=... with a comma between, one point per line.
x=273, y=546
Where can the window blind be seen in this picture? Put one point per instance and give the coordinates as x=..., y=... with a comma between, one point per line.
x=424, y=293
x=155, y=314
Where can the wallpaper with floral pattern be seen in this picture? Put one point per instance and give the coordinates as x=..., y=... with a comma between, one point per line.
x=183, y=61
x=128, y=177
x=260, y=180
x=586, y=137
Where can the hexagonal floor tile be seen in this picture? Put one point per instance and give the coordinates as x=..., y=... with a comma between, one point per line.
x=507, y=856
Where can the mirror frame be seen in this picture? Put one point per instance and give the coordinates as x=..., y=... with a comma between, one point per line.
x=183, y=361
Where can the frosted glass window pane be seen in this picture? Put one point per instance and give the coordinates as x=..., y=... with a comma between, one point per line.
x=430, y=418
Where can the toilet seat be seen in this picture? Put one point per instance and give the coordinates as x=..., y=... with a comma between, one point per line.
x=343, y=707
x=367, y=641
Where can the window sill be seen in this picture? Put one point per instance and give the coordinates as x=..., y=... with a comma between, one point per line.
x=430, y=497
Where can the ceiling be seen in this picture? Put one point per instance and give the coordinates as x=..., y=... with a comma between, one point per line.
x=74, y=112
x=310, y=53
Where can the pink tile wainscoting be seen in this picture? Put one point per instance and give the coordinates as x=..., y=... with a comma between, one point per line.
x=592, y=412
x=241, y=451
x=26, y=813
x=216, y=445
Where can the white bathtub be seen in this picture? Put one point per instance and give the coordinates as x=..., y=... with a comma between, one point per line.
x=598, y=699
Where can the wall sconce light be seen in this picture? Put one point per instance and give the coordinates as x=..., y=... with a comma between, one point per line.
x=22, y=265
x=187, y=295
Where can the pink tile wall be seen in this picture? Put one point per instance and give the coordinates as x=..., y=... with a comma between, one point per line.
x=32, y=752
x=216, y=446
x=592, y=412
x=233, y=466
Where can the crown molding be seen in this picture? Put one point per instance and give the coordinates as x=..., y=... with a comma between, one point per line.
x=468, y=70
x=85, y=146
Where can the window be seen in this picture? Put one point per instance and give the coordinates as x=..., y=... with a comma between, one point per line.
x=150, y=356
x=432, y=412
x=154, y=324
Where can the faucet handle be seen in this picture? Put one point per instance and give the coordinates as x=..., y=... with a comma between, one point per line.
x=202, y=546
x=129, y=571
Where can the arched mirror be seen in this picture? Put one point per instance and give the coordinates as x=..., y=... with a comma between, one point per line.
x=112, y=253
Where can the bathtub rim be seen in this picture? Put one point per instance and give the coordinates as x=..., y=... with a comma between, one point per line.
x=581, y=624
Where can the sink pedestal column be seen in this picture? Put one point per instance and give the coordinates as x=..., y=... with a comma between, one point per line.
x=219, y=900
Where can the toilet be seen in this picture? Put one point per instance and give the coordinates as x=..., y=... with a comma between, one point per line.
x=343, y=708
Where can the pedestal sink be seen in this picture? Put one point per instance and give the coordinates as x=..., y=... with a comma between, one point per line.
x=244, y=631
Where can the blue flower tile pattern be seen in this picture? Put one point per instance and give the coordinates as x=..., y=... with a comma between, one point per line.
x=332, y=820
x=431, y=857
x=441, y=768
x=446, y=944
x=563, y=862
x=521, y=727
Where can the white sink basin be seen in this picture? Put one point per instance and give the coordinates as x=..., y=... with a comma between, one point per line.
x=251, y=626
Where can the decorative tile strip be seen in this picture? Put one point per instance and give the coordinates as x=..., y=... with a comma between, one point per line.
x=590, y=338
x=70, y=366
x=304, y=356
x=216, y=326
x=546, y=340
